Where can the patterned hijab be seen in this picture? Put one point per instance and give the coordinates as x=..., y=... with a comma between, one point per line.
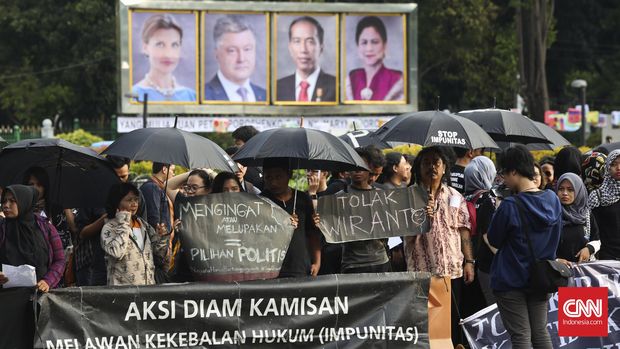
x=593, y=170
x=609, y=192
x=578, y=211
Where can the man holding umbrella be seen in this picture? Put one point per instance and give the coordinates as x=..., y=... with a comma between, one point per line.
x=303, y=256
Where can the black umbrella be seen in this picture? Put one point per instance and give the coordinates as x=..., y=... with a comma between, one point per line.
x=171, y=146
x=79, y=177
x=430, y=128
x=506, y=126
x=363, y=138
x=556, y=139
x=607, y=148
x=304, y=148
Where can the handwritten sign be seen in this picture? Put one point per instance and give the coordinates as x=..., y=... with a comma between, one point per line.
x=375, y=214
x=233, y=236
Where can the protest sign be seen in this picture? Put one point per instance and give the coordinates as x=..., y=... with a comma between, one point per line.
x=374, y=214
x=386, y=310
x=485, y=330
x=233, y=236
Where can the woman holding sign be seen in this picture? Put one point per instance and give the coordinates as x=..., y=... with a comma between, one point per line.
x=131, y=245
x=446, y=250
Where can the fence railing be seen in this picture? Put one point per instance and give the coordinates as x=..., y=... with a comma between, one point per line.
x=103, y=128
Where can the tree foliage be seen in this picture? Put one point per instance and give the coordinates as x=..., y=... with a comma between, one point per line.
x=57, y=57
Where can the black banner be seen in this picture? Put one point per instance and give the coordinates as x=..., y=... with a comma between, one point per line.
x=336, y=311
x=373, y=214
x=486, y=330
x=233, y=236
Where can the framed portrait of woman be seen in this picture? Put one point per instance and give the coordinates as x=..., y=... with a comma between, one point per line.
x=234, y=58
x=374, y=60
x=306, y=59
x=163, y=56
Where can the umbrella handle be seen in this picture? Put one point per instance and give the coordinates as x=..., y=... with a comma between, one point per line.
x=164, y=198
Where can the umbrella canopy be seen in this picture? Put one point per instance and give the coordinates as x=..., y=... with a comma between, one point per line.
x=506, y=126
x=78, y=176
x=363, y=138
x=607, y=148
x=430, y=128
x=556, y=139
x=304, y=148
x=171, y=146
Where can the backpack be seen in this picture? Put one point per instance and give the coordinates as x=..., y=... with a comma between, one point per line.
x=471, y=208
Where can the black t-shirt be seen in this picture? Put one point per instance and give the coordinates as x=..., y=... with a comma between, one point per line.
x=457, y=178
x=297, y=260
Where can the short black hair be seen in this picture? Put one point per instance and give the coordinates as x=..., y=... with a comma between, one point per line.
x=118, y=161
x=231, y=150
x=391, y=159
x=308, y=19
x=221, y=178
x=518, y=159
x=375, y=156
x=244, y=133
x=370, y=22
x=206, y=179
x=444, y=153
x=460, y=152
x=158, y=166
x=116, y=193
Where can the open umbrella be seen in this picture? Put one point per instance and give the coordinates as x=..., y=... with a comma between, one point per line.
x=363, y=138
x=304, y=148
x=79, y=177
x=171, y=146
x=607, y=148
x=430, y=128
x=506, y=126
x=556, y=139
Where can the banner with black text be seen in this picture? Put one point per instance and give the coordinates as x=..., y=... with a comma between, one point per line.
x=386, y=310
x=485, y=330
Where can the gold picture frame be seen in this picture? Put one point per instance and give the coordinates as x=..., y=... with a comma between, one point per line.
x=267, y=58
x=196, y=54
x=274, y=61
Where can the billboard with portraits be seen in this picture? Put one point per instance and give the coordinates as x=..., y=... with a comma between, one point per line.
x=163, y=54
x=235, y=58
x=306, y=59
x=267, y=58
x=374, y=58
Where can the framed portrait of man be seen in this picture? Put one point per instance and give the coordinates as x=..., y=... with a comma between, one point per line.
x=235, y=58
x=306, y=59
x=163, y=56
x=374, y=61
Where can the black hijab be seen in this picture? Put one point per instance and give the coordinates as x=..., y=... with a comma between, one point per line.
x=24, y=242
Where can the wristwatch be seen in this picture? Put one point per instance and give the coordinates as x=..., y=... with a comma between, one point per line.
x=314, y=197
x=470, y=261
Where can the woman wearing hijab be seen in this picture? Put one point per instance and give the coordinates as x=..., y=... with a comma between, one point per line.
x=605, y=205
x=579, y=238
x=27, y=238
x=479, y=178
x=593, y=170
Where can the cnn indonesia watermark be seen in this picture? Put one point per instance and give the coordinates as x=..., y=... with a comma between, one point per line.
x=582, y=312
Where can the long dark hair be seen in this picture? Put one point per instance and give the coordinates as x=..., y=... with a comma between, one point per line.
x=221, y=178
x=444, y=155
x=391, y=159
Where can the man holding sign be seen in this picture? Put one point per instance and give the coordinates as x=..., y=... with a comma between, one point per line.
x=303, y=257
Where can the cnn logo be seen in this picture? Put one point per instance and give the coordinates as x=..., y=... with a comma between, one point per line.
x=582, y=311
x=578, y=308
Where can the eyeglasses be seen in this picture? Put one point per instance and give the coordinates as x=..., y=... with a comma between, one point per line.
x=192, y=188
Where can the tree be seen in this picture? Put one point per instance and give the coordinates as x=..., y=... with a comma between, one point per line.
x=534, y=20
x=57, y=57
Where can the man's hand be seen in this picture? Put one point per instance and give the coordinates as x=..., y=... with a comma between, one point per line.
x=295, y=220
x=314, y=269
x=468, y=273
x=583, y=255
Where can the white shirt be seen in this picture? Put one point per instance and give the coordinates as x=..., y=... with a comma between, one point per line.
x=311, y=80
x=137, y=234
x=231, y=89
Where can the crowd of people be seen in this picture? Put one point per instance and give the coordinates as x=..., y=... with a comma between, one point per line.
x=478, y=237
